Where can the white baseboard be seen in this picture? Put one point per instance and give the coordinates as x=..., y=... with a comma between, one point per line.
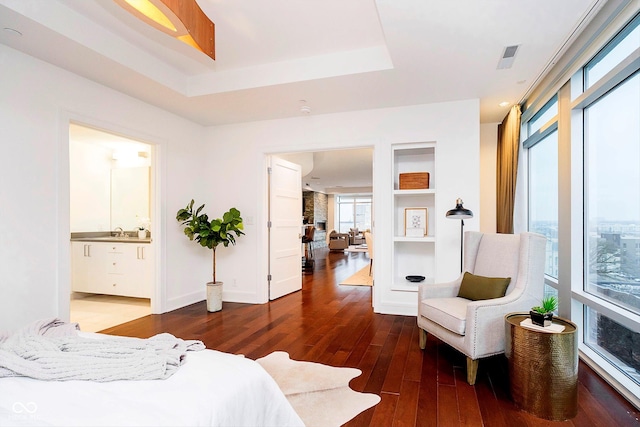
x=239, y=296
x=185, y=300
x=227, y=296
x=398, y=309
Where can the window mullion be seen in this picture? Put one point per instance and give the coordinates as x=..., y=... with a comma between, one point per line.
x=612, y=79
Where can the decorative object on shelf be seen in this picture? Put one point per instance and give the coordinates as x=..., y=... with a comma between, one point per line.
x=414, y=181
x=415, y=222
x=459, y=212
x=209, y=234
x=142, y=233
x=542, y=315
x=415, y=279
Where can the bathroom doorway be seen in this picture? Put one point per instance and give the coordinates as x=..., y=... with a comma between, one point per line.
x=111, y=224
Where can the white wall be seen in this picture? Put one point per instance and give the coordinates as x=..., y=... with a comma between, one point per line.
x=238, y=152
x=488, y=160
x=37, y=102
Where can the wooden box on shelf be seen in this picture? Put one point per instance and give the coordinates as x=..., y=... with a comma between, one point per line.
x=414, y=181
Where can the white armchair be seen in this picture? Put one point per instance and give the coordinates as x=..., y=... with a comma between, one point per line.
x=476, y=328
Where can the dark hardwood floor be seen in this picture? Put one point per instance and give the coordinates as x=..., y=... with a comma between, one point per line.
x=335, y=325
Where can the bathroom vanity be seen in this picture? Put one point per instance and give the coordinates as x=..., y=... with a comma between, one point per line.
x=112, y=265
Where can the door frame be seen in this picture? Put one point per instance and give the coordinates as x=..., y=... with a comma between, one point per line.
x=262, y=290
x=157, y=194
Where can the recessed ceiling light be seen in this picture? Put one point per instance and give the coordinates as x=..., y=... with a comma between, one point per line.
x=504, y=104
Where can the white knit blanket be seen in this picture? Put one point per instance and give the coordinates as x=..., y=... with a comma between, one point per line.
x=52, y=350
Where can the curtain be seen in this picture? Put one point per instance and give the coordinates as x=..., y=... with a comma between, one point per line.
x=507, y=168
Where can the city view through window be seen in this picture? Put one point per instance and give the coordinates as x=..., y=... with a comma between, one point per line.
x=354, y=212
x=612, y=234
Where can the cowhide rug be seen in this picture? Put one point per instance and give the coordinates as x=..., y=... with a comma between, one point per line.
x=319, y=393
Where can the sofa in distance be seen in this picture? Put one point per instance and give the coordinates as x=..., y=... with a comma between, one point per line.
x=338, y=241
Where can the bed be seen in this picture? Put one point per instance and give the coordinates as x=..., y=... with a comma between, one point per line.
x=210, y=389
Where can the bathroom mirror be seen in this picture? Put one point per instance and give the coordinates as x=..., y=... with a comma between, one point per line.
x=109, y=181
x=129, y=197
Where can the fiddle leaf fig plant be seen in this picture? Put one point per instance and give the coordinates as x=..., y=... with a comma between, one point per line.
x=211, y=233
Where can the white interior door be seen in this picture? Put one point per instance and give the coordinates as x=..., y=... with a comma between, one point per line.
x=285, y=220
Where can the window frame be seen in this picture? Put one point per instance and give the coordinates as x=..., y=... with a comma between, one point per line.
x=582, y=300
x=531, y=141
x=357, y=198
x=567, y=85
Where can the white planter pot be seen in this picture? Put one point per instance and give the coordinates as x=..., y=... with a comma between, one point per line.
x=142, y=234
x=214, y=296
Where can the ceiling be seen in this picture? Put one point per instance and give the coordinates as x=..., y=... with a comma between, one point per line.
x=328, y=55
x=336, y=171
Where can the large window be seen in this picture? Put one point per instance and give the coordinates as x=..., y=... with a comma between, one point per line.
x=583, y=174
x=612, y=225
x=612, y=203
x=354, y=212
x=612, y=165
x=543, y=182
x=543, y=197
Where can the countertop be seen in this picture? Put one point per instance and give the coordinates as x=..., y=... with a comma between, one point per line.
x=105, y=236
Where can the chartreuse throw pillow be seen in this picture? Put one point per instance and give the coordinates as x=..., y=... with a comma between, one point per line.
x=478, y=287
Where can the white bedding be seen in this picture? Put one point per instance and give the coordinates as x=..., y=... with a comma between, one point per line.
x=210, y=389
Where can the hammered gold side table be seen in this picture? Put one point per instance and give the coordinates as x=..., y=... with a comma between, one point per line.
x=543, y=368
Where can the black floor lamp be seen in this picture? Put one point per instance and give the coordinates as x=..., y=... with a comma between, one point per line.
x=460, y=213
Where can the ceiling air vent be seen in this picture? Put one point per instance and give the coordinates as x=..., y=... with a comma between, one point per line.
x=508, y=55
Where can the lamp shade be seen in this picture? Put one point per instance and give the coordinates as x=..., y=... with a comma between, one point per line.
x=459, y=212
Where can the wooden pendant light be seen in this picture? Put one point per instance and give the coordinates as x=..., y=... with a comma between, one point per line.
x=182, y=19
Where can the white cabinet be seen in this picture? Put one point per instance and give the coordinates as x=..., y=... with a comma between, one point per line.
x=87, y=266
x=414, y=216
x=123, y=269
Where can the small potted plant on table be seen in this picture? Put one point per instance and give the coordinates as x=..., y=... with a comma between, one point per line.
x=542, y=315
